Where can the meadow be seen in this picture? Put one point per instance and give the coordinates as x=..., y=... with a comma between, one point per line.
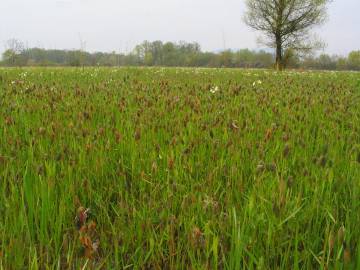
x=179, y=168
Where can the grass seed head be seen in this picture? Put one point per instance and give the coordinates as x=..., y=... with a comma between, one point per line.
x=89, y=247
x=171, y=163
x=322, y=161
x=81, y=217
x=347, y=255
x=197, y=238
x=137, y=134
x=286, y=150
x=118, y=136
x=154, y=167
x=9, y=121
x=331, y=241
x=290, y=181
x=341, y=235
x=101, y=131
x=42, y=130
x=260, y=167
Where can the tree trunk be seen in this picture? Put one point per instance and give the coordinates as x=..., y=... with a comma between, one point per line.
x=279, y=56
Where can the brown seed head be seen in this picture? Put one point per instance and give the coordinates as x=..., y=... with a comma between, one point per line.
x=331, y=241
x=171, y=163
x=286, y=150
x=197, y=237
x=137, y=135
x=347, y=256
x=118, y=136
x=9, y=121
x=82, y=214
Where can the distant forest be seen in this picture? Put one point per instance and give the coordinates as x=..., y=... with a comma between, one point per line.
x=171, y=54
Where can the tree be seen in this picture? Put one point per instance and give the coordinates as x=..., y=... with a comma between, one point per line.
x=170, y=56
x=354, y=60
x=326, y=62
x=226, y=58
x=13, y=53
x=341, y=63
x=286, y=23
x=291, y=59
x=148, y=59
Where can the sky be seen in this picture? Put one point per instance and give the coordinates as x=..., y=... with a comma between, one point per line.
x=118, y=25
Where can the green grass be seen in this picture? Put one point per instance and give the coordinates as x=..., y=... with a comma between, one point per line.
x=262, y=172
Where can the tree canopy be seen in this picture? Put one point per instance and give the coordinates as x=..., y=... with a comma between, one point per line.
x=286, y=24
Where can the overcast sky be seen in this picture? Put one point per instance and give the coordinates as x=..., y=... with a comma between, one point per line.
x=107, y=25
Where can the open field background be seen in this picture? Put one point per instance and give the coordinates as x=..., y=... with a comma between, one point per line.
x=181, y=169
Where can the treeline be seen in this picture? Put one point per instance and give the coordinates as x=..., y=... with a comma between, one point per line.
x=332, y=62
x=154, y=53
x=180, y=54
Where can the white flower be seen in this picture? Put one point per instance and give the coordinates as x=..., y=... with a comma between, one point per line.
x=257, y=82
x=215, y=89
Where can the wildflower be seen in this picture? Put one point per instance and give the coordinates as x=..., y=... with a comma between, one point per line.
x=257, y=82
x=215, y=89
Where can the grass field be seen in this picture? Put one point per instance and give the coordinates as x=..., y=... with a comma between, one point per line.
x=153, y=168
